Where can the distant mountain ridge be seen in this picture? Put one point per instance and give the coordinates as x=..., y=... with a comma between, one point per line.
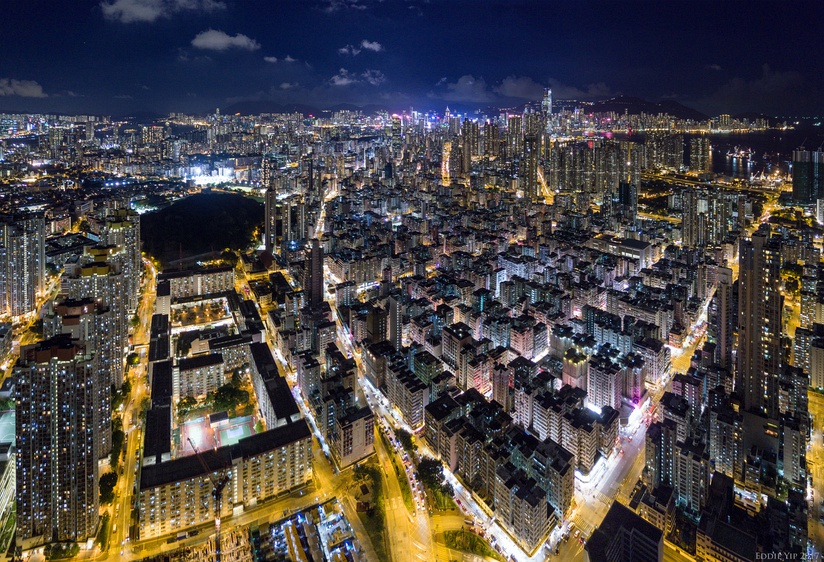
x=634, y=106
x=618, y=104
x=262, y=106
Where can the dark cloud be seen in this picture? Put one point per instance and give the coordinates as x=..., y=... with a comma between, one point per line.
x=467, y=88
x=768, y=92
x=519, y=88
x=563, y=91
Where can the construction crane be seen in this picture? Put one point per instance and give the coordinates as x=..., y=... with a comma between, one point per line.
x=218, y=484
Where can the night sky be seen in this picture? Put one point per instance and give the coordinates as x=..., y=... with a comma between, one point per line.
x=120, y=56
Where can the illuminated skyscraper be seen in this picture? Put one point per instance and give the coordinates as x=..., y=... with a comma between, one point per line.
x=470, y=143
x=529, y=179
x=284, y=221
x=664, y=150
x=57, y=475
x=546, y=103
x=759, y=322
x=105, y=283
x=122, y=230
x=93, y=324
x=707, y=218
x=659, y=448
x=308, y=167
x=396, y=133
x=22, y=263
x=491, y=139
x=514, y=136
x=723, y=319
x=152, y=134
x=273, y=227
x=700, y=154
x=395, y=321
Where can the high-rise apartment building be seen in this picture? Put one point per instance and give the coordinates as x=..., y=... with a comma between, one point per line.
x=726, y=440
x=121, y=230
x=706, y=218
x=57, y=474
x=664, y=150
x=22, y=263
x=759, y=322
x=691, y=475
x=268, y=169
x=395, y=321
x=272, y=229
x=604, y=382
x=700, y=155
x=285, y=223
x=470, y=143
x=808, y=176
x=308, y=168
x=659, y=448
x=492, y=139
x=522, y=507
x=376, y=324
x=313, y=283
x=723, y=317
x=529, y=163
x=92, y=323
x=105, y=283
x=514, y=136
x=627, y=201
x=177, y=494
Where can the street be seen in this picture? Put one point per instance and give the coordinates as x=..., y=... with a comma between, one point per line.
x=121, y=510
x=815, y=465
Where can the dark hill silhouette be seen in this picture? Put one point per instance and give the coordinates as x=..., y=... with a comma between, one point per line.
x=634, y=106
x=263, y=106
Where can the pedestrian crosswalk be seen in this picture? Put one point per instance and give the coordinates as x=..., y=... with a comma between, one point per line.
x=585, y=526
x=603, y=497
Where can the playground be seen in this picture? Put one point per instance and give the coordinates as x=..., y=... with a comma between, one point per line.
x=210, y=436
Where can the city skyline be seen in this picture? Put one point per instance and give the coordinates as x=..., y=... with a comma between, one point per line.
x=373, y=280
x=122, y=56
x=536, y=326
